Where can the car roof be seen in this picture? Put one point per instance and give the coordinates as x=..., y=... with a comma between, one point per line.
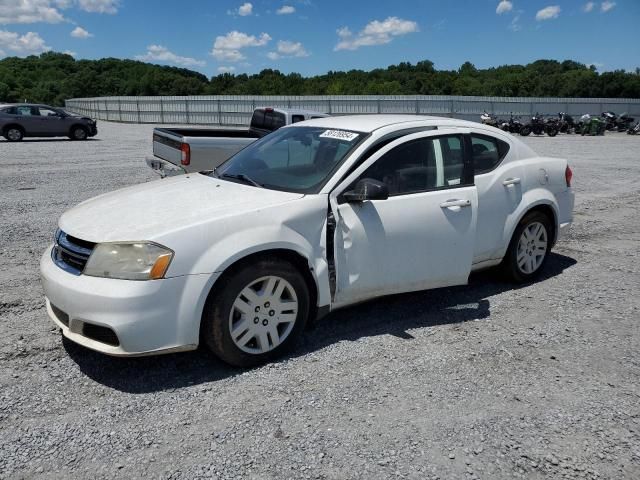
x=370, y=123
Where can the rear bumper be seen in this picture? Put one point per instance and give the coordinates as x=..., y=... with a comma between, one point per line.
x=163, y=168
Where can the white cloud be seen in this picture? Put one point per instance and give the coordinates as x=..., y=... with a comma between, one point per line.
x=606, y=6
x=504, y=6
x=80, y=32
x=158, y=53
x=227, y=47
x=29, y=43
x=375, y=33
x=99, y=6
x=288, y=49
x=29, y=11
x=515, y=26
x=588, y=7
x=226, y=69
x=548, y=13
x=286, y=10
x=243, y=10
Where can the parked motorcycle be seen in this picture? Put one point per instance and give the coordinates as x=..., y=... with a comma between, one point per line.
x=490, y=119
x=566, y=123
x=590, y=125
x=538, y=126
x=624, y=122
x=610, y=120
x=513, y=125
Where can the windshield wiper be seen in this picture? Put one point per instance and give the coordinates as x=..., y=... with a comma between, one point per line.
x=242, y=177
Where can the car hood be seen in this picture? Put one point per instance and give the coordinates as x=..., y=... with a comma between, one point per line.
x=150, y=210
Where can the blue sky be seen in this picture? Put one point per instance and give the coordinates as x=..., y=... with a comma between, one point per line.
x=314, y=36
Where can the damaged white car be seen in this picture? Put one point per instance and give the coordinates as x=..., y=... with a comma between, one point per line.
x=315, y=216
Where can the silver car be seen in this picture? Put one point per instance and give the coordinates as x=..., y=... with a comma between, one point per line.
x=31, y=120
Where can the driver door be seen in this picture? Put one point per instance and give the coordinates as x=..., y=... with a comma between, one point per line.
x=423, y=235
x=49, y=122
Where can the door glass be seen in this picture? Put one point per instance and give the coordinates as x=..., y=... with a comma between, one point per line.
x=487, y=152
x=47, y=112
x=420, y=165
x=25, y=111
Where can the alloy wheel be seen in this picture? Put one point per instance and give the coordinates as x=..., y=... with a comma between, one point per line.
x=263, y=315
x=532, y=247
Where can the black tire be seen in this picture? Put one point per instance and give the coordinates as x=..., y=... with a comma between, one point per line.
x=525, y=131
x=79, y=133
x=215, y=330
x=552, y=132
x=509, y=265
x=13, y=133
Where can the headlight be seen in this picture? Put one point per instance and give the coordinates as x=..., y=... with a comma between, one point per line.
x=129, y=261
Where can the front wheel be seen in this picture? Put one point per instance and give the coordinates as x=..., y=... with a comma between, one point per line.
x=552, y=131
x=525, y=131
x=257, y=314
x=79, y=133
x=529, y=248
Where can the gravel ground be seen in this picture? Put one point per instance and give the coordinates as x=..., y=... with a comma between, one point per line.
x=484, y=381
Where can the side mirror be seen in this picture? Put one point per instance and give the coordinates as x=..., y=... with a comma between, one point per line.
x=367, y=189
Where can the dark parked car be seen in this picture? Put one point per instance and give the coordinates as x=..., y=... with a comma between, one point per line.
x=30, y=120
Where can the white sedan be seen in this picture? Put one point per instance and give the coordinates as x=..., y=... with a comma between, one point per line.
x=313, y=217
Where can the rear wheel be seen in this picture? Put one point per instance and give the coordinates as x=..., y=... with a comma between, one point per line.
x=14, y=134
x=525, y=131
x=79, y=133
x=552, y=131
x=529, y=248
x=258, y=313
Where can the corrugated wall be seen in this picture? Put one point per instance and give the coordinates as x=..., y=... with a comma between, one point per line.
x=236, y=110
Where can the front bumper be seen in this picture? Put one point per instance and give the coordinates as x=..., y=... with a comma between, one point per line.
x=145, y=317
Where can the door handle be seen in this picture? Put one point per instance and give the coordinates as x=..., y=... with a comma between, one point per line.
x=456, y=203
x=511, y=181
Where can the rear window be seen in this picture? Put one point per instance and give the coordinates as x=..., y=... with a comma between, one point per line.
x=266, y=119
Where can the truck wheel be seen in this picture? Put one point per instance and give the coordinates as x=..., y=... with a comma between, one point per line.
x=14, y=134
x=79, y=133
x=257, y=314
x=529, y=248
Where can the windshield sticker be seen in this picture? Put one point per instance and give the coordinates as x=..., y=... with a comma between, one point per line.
x=340, y=135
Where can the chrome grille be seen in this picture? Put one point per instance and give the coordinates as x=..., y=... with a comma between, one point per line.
x=71, y=254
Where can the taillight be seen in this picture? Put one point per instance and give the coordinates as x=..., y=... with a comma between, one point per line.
x=186, y=154
x=568, y=175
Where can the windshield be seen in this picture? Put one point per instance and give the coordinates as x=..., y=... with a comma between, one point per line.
x=295, y=159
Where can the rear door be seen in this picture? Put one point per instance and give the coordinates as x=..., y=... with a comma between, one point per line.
x=499, y=181
x=423, y=235
x=27, y=118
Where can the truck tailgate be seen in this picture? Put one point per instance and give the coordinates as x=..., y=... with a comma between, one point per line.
x=167, y=146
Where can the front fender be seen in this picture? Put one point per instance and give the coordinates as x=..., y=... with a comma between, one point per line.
x=232, y=248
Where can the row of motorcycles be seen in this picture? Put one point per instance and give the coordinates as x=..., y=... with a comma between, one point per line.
x=564, y=123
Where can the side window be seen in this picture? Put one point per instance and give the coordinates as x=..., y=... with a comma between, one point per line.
x=25, y=111
x=10, y=111
x=487, y=152
x=297, y=118
x=420, y=165
x=47, y=112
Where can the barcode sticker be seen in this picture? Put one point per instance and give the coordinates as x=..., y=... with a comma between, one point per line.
x=339, y=135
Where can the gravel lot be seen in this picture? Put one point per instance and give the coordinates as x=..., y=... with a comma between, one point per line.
x=484, y=381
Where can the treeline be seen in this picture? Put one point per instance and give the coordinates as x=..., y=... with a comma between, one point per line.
x=53, y=77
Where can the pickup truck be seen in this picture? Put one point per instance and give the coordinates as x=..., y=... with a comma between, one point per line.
x=187, y=150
